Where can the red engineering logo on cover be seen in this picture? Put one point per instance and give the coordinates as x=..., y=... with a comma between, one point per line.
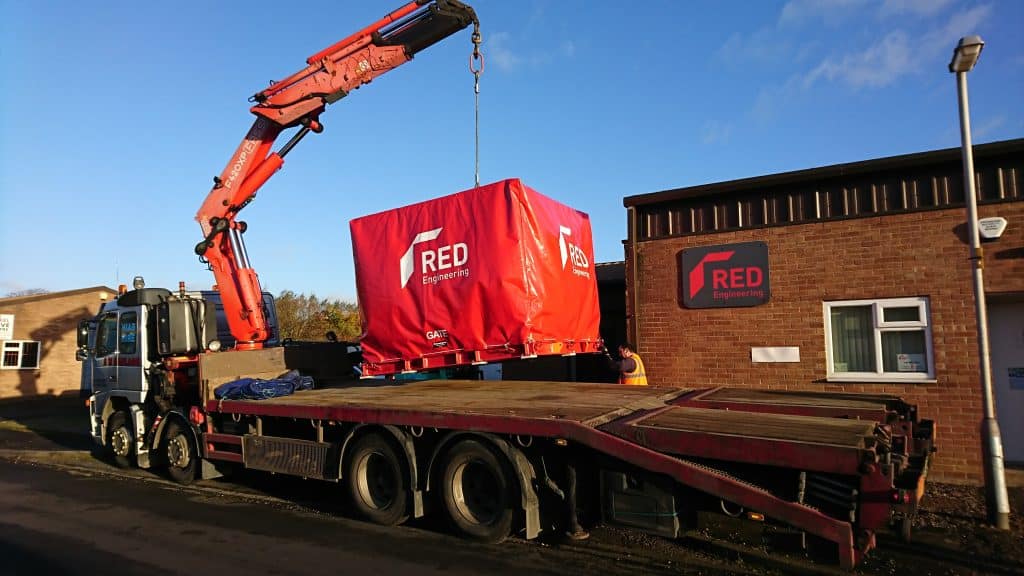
x=572, y=253
x=445, y=263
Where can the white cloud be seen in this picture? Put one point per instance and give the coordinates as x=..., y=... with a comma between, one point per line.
x=498, y=52
x=898, y=54
x=715, y=132
x=877, y=66
x=935, y=42
x=986, y=128
x=771, y=99
x=918, y=7
x=829, y=11
x=764, y=45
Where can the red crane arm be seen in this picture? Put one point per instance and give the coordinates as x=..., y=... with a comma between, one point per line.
x=298, y=100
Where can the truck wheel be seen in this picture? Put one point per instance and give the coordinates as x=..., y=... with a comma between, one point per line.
x=120, y=440
x=179, y=454
x=376, y=481
x=477, y=487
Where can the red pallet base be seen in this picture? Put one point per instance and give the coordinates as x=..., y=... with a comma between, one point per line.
x=454, y=358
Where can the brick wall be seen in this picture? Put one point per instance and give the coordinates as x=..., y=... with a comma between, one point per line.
x=914, y=254
x=51, y=320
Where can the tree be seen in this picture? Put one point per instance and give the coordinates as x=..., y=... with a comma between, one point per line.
x=27, y=292
x=302, y=317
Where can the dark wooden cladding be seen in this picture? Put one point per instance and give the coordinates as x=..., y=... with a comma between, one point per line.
x=795, y=398
x=543, y=400
x=809, y=429
x=928, y=181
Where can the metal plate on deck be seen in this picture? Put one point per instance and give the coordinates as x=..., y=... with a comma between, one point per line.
x=288, y=456
x=797, y=398
x=810, y=429
x=814, y=443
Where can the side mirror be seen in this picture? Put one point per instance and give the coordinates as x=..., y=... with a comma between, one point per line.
x=83, y=334
x=81, y=354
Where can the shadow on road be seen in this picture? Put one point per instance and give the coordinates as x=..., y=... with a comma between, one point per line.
x=45, y=423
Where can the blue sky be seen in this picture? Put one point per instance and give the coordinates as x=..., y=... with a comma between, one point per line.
x=115, y=116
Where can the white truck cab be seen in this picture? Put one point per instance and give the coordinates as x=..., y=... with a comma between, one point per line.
x=125, y=350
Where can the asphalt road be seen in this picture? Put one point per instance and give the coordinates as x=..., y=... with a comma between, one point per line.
x=61, y=521
x=63, y=511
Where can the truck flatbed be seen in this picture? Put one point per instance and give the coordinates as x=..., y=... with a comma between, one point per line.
x=821, y=464
x=645, y=415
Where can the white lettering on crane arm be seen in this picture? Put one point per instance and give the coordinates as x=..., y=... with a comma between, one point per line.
x=236, y=168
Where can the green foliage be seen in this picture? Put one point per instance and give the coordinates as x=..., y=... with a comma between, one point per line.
x=304, y=317
x=28, y=292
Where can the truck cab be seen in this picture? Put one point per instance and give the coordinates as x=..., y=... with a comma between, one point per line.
x=139, y=357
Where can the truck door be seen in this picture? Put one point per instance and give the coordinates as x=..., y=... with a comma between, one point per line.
x=117, y=362
x=104, y=358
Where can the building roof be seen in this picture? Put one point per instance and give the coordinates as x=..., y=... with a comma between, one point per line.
x=799, y=176
x=52, y=295
x=610, y=271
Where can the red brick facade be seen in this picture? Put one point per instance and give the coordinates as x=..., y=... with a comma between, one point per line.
x=914, y=254
x=51, y=320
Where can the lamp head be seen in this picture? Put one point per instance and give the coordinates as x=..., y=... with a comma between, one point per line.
x=966, y=54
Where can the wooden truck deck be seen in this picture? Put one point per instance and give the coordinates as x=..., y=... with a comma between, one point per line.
x=647, y=416
x=694, y=436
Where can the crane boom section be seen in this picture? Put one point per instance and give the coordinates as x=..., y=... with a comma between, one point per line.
x=298, y=101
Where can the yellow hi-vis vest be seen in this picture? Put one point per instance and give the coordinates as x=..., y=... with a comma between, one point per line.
x=638, y=377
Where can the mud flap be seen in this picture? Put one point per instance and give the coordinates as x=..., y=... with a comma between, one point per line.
x=139, y=427
x=208, y=470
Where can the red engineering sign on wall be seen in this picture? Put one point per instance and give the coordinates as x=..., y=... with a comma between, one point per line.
x=495, y=272
x=725, y=276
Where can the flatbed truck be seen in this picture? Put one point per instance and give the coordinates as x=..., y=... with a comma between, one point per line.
x=501, y=457
x=493, y=457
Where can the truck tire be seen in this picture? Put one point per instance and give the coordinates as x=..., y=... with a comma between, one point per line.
x=477, y=491
x=179, y=453
x=376, y=481
x=120, y=440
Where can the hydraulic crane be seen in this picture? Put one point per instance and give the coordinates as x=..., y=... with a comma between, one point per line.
x=298, y=101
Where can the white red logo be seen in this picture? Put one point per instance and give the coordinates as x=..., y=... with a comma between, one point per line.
x=572, y=254
x=437, y=265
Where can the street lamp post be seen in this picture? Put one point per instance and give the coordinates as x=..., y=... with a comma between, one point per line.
x=965, y=56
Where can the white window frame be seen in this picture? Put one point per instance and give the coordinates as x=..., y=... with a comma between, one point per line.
x=878, y=307
x=6, y=346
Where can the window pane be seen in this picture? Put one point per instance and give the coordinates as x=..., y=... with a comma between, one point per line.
x=904, y=352
x=901, y=314
x=106, y=336
x=853, y=348
x=30, y=354
x=129, y=327
x=10, y=357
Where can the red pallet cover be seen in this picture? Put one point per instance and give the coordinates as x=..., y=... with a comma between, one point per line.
x=495, y=272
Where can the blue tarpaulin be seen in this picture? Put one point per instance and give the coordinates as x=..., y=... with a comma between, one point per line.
x=259, y=389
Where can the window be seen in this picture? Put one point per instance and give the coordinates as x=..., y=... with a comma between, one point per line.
x=106, y=335
x=883, y=340
x=20, y=355
x=128, y=331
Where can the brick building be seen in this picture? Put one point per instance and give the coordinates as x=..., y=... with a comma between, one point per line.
x=38, y=340
x=867, y=284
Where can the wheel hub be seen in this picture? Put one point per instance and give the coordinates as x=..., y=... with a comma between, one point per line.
x=474, y=485
x=375, y=481
x=120, y=441
x=177, y=451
